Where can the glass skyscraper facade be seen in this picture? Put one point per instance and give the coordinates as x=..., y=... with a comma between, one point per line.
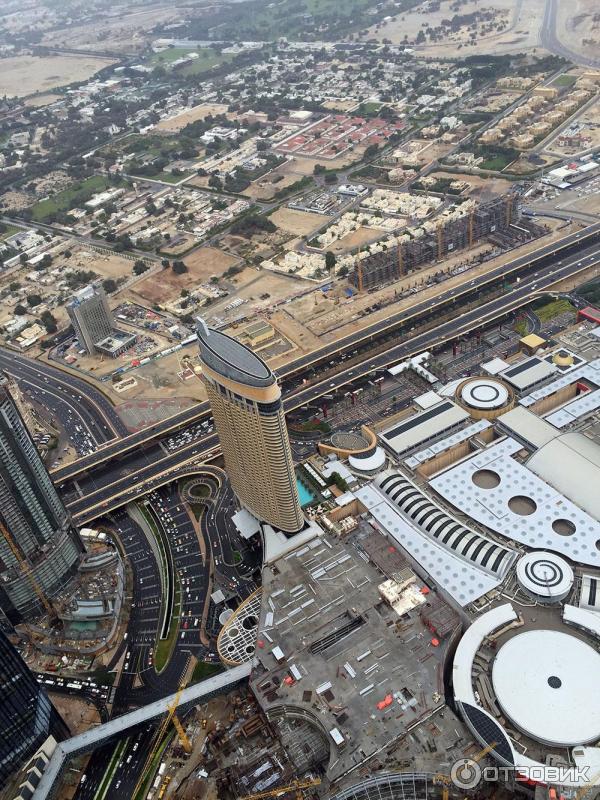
x=27, y=717
x=38, y=544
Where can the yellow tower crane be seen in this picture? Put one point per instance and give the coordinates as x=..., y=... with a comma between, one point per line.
x=185, y=742
x=296, y=787
x=28, y=572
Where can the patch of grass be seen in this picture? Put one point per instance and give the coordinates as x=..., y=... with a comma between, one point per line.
x=71, y=197
x=496, y=164
x=7, y=230
x=199, y=490
x=564, y=80
x=166, y=177
x=554, y=309
x=521, y=328
x=204, y=670
x=369, y=108
x=164, y=647
x=207, y=59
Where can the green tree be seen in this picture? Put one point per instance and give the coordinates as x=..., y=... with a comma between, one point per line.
x=330, y=261
x=49, y=321
x=179, y=267
x=109, y=285
x=20, y=310
x=33, y=300
x=140, y=267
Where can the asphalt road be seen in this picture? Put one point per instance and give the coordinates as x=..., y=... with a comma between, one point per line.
x=295, y=396
x=139, y=682
x=70, y=399
x=550, y=41
x=312, y=364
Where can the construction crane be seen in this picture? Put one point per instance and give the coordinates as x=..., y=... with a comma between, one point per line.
x=445, y=780
x=185, y=742
x=27, y=571
x=296, y=786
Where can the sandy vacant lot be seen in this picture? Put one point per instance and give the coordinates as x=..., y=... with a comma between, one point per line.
x=300, y=223
x=39, y=100
x=524, y=22
x=578, y=26
x=479, y=185
x=166, y=285
x=23, y=75
x=269, y=185
x=340, y=105
x=178, y=123
x=357, y=238
x=299, y=165
x=251, y=285
x=123, y=31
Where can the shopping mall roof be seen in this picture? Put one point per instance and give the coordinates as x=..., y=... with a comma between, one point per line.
x=527, y=426
x=571, y=464
x=510, y=499
x=463, y=562
x=555, y=699
x=589, y=372
x=528, y=373
x=423, y=426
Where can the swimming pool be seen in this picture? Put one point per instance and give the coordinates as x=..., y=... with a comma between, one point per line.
x=305, y=494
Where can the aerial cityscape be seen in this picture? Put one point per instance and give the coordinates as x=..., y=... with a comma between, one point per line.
x=300, y=400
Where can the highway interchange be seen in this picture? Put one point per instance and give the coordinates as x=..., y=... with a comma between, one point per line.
x=204, y=556
x=109, y=486
x=198, y=569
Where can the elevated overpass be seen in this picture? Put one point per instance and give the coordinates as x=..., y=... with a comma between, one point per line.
x=360, y=342
x=190, y=459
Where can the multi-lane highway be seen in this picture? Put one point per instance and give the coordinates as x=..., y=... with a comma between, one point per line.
x=574, y=247
x=70, y=399
x=479, y=313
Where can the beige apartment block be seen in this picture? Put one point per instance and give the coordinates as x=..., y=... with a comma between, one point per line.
x=547, y=92
x=245, y=400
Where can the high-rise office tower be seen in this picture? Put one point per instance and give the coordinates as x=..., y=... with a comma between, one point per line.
x=27, y=718
x=91, y=316
x=246, y=404
x=39, y=548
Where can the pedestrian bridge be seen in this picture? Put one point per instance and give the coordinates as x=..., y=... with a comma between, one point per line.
x=90, y=740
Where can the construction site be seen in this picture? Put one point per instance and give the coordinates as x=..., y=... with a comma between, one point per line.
x=458, y=228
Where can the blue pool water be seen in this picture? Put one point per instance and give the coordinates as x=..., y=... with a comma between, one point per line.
x=306, y=496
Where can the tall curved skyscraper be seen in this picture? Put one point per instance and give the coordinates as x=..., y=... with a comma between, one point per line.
x=246, y=404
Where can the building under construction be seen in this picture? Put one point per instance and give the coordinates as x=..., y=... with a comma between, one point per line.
x=458, y=228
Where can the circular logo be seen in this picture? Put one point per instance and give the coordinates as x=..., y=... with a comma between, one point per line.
x=465, y=773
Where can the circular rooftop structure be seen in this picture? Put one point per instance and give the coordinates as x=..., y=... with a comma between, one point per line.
x=546, y=577
x=562, y=358
x=484, y=397
x=368, y=462
x=546, y=683
x=349, y=440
